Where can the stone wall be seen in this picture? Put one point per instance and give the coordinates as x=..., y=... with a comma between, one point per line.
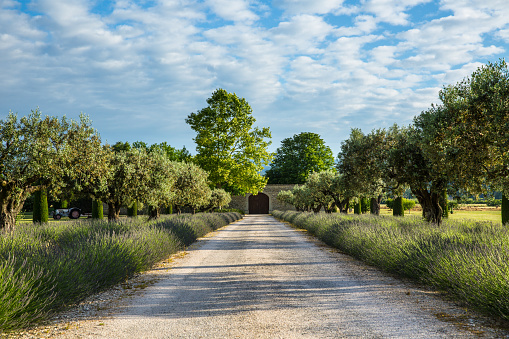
x=241, y=202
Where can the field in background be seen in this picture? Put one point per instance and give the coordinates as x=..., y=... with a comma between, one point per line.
x=472, y=212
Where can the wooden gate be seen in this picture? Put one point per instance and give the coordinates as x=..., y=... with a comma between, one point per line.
x=259, y=204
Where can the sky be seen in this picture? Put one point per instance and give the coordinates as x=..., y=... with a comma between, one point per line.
x=139, y=68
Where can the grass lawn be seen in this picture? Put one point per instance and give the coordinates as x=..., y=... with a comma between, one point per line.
x=486, y=215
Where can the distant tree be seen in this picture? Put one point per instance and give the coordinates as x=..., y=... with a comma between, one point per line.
x=127, y=180
x=160, y=185
x=121, y=146
x=219, y=198
x=44, y=153
x=140, y=145
x=191, y=187
x=172, y=153
x=227, y=145
x=322, y=189
x=364, y=163
x=298, y=157
x=286, y=197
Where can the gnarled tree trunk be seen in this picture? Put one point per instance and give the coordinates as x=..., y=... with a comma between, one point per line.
x=113, y=211
x=375, y=205
x=153, y=213
x=430, y=203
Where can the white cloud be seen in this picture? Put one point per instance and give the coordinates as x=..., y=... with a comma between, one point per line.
x=391, y=11
x=302, y=34
x=308, y=7
x=306, y=64
x=232, y=10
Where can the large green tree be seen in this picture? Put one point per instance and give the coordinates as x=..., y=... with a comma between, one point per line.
x=39, y=153
x=465, y=139
x=228, y=147
x=298, y=157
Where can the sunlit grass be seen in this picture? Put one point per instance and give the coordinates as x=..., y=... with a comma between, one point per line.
x=492, y=215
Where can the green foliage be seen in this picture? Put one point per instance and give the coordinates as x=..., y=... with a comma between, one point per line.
x=474, y=133
x=40, y=206
x=408, y=204
x=218, y=199
x=132, y=211
x=469, y=260
x=298, y=157
x=357, y=208
x=322, y=190
x=45, y=153
x=397, y=208
x=173, y=154
x=228, y=147
x=97, y=209
x=364, y=205
x=505, y=210
x=191, y=188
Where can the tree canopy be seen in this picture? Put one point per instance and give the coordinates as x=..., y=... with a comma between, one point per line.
x=45, y=153
x=228, y=146
x=298, y=157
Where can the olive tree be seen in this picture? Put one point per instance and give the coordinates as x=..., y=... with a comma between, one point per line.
x=39, y=153
x=470, y=139
x=219, y=198
x=191, y=187
x=127, y=180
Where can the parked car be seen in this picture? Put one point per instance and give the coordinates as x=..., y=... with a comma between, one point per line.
x=72, y=213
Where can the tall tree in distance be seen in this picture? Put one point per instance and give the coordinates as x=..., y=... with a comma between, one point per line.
x=228, y=147
x=298, y=157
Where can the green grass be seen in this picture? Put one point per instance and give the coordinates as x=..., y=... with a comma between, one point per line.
x=467, y=259
x=47, y=267
x=484, y=215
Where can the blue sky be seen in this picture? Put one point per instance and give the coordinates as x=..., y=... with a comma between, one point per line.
x=138, y=68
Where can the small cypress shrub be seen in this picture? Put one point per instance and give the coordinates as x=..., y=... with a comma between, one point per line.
x=169, y=210
x=132, y=211
x=97, y=209
x=505, y=210
x=397, y=209
x=365, y=205
x=64, y=204
x=40, y=213
x=357, y=208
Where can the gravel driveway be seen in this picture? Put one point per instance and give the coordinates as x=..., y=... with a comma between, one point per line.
x=259, y=278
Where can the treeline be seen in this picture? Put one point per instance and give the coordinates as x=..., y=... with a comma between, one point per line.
x=65, y=158
x=458, y=147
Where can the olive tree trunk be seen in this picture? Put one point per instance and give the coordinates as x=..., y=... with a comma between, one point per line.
x=153, y=213
x=430, y=203
x=113, y=211
x=375, y=205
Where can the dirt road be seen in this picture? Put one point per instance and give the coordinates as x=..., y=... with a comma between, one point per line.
x=259, y=278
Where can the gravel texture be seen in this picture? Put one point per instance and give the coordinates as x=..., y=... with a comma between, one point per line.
x=260, y=278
